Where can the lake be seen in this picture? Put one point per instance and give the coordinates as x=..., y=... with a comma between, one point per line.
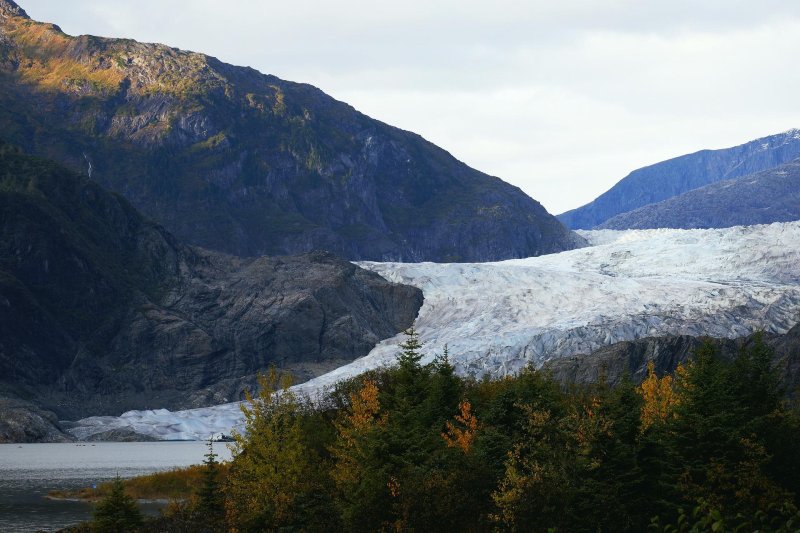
x=29, y=471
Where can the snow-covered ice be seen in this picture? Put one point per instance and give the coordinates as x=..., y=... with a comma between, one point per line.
x=497, y=317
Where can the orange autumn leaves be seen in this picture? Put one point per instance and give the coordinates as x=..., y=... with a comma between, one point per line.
x=461, y=434
x=364, y=414
x=354, y=427
x=660, y=396
x=364, y=411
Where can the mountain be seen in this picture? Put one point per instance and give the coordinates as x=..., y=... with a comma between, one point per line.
x=245, y=163
x=102, y=311
x=676, y=176
x=497, y=318
x=769, y=196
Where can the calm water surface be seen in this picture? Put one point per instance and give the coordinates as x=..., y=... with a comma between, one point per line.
x=29, y=471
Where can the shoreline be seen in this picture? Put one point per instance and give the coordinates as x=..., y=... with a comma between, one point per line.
x=146, y=501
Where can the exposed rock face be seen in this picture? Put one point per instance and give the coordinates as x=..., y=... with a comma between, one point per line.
x=9, y=9
x=769, y=196
x=670, y=178
x=204, y=340
x=614, y=361
x=24, y=422
x=246, y=163
x=102, y=311
x=120, y=435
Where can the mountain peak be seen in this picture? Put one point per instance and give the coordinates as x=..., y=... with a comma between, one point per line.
x=9, y=8
x=793, y=133
x=354, y=186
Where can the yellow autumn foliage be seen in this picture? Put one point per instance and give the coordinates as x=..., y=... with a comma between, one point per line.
x=271, y=467
x=362, y=416
x=462, y=434
x=659, y=395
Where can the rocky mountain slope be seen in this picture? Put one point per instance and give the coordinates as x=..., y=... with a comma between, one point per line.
x=762, y=198
x=103, y=311
x=632, y=357
x=676, y=176
x=241, y=162
x=496, y=318
x=25, y=422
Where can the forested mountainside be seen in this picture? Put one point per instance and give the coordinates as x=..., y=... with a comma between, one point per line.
x=664, y=180
x=245, y=163
x=414, y=447
x=102, y=311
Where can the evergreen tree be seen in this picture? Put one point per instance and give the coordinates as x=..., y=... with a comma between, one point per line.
x=410, y=355
x=756, y=384
x=117, y=512
x=394, y=470
x=359, y=472
x=725, y=416
x=610, y=488
x=210, y=507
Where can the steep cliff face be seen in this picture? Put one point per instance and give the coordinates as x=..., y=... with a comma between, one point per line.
x=670, y=178
x=25, y=422
x=762, y=198
x=103, y=311
x=241, y=162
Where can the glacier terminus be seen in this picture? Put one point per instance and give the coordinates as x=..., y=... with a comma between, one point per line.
x=496, y=318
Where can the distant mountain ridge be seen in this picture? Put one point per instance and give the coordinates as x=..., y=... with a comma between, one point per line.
x=763, y=198
x=245, y=163
x=673, y=177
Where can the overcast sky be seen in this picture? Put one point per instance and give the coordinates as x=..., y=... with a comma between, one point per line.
x=561, y=98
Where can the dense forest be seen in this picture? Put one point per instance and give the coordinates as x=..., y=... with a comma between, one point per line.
x=415, y=447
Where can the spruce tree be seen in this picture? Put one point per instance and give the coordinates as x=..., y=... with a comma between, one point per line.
x=410, y=355
x=210, y=502
x=117, y=512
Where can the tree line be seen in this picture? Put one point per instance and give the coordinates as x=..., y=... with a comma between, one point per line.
x=415, y=447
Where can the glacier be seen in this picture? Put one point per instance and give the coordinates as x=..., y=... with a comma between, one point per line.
x=496, y=318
